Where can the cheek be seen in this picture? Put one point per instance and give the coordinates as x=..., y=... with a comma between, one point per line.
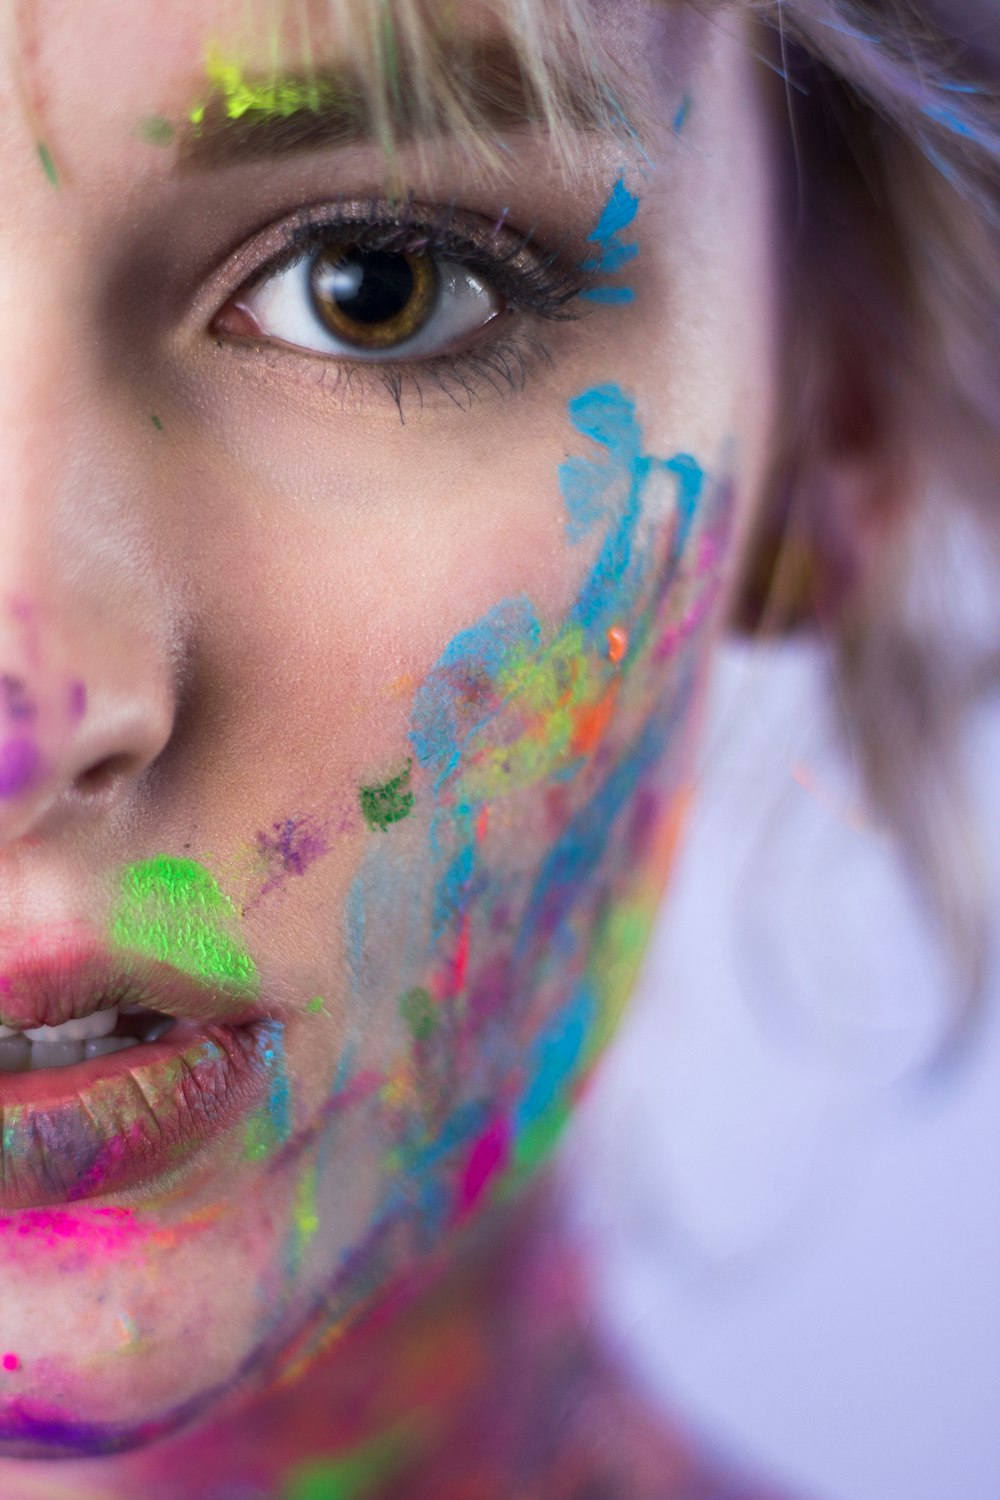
x=545, y=762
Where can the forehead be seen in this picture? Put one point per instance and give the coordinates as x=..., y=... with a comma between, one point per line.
x=141, y=54
x=70, y=69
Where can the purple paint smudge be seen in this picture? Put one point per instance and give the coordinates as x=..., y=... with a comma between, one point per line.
x=20, y=765
x=15, y=700
x=290, y=848
x=77, y=700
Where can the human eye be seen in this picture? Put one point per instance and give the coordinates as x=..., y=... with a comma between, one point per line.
x=379, y=282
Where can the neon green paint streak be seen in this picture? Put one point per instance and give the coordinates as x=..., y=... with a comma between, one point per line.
x=173, y=910
x=48, y=165
x=306, y=1211
x=156, y=422
x=276, y=97
x=315, y=1006
x=262, y=1136
x=356, y=1477
x=389, y=803
x=536, y=1143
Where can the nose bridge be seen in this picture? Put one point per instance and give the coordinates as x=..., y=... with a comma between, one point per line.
x=85, y=690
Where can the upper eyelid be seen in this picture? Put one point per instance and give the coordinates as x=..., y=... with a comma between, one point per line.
x=282, y=243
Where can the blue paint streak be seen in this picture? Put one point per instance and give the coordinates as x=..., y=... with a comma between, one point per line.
x=613, y=253
x=555, y=1055
x=608, y=294
x=279, y=1104
x=681, y=117
x=456, y=698
x=619, y=212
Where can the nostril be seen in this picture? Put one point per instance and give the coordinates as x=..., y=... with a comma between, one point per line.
x=102, y=776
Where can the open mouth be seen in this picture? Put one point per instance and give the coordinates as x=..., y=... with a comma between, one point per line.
x=101, y=1034
x=116, y=1097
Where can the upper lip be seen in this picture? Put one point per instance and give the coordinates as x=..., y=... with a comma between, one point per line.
x=45, y=985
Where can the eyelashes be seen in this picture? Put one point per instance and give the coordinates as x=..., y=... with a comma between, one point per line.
x=405, y=296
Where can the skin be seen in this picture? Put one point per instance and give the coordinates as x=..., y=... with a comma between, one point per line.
x=325, y=655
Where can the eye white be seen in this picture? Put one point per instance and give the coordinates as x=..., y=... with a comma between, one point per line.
x=282, y=307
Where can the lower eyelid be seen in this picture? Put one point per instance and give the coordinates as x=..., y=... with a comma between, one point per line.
x=495, y=369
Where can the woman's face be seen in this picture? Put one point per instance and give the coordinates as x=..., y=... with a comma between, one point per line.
x=354, y=613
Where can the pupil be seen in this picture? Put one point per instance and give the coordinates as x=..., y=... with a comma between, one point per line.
x=370, y=286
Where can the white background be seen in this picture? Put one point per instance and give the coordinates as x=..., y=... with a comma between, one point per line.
x=798, y=1215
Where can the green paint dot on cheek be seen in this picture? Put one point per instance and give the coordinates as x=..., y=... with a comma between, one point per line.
x=157, y=130
x=173, y=910
x=389, y=803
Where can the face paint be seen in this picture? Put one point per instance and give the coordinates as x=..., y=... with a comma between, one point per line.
x=613, y=252
x=389, y=803
x=517, y=974
x=276, y=98
x=173, y=910
x=21, y=765
x=290, y=848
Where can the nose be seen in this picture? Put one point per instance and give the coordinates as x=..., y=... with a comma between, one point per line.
x=86, y=691
x=77, y=729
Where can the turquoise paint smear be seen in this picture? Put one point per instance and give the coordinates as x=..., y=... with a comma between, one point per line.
x=555, y=1057
x=458, y=696
x=613, y=252
x=461, y=694
x=610, y=295
x=271, y=1125
x=683, y=111
x=469, y=707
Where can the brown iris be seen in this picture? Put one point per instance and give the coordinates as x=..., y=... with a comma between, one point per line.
x=373, y=299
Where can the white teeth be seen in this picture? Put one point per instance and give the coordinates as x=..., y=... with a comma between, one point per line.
x=74, y=1041
x=15, y=1054
x=98, y=1024
x=55, y=1054
x=102, y=1046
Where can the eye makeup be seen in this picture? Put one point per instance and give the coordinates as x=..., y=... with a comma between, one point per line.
x=527, y=281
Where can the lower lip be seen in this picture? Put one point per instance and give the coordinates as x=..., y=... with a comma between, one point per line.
x=122, y=1121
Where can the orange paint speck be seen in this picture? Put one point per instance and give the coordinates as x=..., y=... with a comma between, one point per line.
x=617, y=643
x=591, y=723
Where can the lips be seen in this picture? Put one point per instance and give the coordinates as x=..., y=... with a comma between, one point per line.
x=125, y=1120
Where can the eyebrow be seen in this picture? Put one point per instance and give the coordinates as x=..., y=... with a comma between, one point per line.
x=259, y=118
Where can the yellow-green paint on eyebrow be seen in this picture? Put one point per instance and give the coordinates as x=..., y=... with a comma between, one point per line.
x=277, y=97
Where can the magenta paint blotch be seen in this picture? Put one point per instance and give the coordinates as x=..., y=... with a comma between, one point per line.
x=20, y=765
